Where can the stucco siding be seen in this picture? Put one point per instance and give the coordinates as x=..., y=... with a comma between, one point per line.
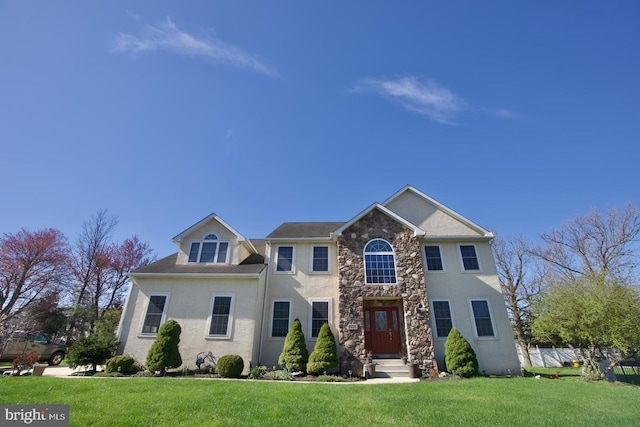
x=190, y=303
x=301, y=288
x=428, y=217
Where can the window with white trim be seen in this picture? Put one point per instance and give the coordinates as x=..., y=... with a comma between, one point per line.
x=284, y=259
x=379, y=260
x=280, y=318
x=209, y=250
x=221, y=316
x=320, y=259
x=319, y=316
x=482, y=318
x=469, y=258
x=443, y=318
x=155, y=313
x=433, y=258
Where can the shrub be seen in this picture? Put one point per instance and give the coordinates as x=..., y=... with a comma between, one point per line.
x=459, y=357
x=127, y=365
x=324, y=355
x=164, y=352
x=256, y=372
x=294, y=354
x=230, y=366
x=25, y=361
x=94, y=349
x=278, y=375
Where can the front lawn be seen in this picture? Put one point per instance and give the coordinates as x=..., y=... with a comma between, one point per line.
x=567, y=401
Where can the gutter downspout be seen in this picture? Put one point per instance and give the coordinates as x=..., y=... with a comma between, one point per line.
x=264, y=300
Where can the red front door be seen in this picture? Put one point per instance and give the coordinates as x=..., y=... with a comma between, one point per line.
x=382, y=331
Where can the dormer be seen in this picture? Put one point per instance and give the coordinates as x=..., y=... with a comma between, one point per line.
x=212, y=241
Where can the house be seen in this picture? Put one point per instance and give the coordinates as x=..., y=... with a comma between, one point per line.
x=392, y=281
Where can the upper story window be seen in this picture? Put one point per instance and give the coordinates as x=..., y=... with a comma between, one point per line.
x=210, y=249
x=433, y=258
x=284, y=259
x=469, y=258
x=379, y=260
x=320, y=259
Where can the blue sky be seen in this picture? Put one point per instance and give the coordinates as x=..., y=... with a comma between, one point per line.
x=517, y=115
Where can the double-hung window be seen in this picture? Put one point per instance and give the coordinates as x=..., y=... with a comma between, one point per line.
x=433, y=258
x=379, y=260
x=210, y=250
x=280, y=318
x=482, y=318
x=319, y=316
x=320, y=259
x=469, y=258
x=221, y=316
x=284, y=259
x=155, y=313
x=443, y=318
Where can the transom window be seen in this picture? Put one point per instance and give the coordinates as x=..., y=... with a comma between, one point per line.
x=469, y=257
x=210, y=249
x=320, y=258
x=379, y=259
x=433, y=258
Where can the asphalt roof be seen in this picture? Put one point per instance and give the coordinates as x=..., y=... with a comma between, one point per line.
x=290, y=230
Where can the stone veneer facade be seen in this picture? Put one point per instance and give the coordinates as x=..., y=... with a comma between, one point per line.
x=410, y=292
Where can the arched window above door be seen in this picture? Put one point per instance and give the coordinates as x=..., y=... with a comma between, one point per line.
x=380, y=264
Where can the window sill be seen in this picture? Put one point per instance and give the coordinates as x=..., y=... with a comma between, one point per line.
x=217, y=338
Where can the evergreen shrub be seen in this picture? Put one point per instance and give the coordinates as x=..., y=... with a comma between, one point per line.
x=127, y=365
x=164, y=352
x=230, y=366
x=459, y=356
x=324, y=355
x=294, y=354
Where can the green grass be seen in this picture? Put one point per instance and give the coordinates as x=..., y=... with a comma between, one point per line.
x=526, y=401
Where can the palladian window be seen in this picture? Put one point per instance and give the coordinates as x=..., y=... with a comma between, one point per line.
x=379, y=260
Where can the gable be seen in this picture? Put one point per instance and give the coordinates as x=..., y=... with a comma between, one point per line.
x=431, y=216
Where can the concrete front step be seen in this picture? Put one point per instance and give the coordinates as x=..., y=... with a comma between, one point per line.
x=392, y=368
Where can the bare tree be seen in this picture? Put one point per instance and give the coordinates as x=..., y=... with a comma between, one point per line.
x=102, y=267
x=521, y=282
x=592, y=244
x=32, y=265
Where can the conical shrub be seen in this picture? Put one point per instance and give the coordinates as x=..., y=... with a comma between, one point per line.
x=294, y=354
x=164, y=352
x=324, y=355
x=459, y=356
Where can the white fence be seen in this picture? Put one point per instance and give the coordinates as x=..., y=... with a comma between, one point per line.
x=549, y=357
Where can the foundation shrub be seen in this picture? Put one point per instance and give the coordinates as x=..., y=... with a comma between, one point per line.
x=230, y=366
x=459, y=356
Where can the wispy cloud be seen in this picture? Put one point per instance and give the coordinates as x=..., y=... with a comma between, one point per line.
x=166, y=36
x=422, y=97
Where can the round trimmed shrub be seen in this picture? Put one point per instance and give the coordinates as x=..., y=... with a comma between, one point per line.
x=230, y=366
x=125, y=363
x=459, y=356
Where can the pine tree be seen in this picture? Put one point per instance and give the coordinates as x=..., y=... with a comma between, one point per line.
x=294, y=354
x=459, y=355
x=324, y=355
x=164, y=352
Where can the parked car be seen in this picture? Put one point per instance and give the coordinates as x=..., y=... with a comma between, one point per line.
x=24, y=342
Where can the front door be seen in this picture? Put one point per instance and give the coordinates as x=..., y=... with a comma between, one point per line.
x=382, y=331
